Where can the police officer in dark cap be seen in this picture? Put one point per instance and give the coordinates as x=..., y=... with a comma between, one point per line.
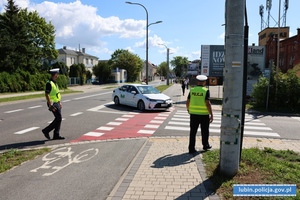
x=54, y=105
x=199, y=107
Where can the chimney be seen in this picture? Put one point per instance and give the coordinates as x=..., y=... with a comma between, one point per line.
x=83, y=50
x=65, y=47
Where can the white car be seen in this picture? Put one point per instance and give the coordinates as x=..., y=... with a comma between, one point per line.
x=143, y=97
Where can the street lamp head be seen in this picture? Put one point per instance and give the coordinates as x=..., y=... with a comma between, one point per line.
x=157, y=22
x=128, y=2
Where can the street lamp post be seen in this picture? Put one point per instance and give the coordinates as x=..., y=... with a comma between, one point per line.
x=147, y=26
x=168, y=53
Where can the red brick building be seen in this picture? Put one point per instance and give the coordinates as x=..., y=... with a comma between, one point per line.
x=289, y=51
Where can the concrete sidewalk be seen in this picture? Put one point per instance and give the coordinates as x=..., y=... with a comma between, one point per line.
x=164, y=170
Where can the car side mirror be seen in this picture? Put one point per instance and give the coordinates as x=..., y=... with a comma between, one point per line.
x=133, y=92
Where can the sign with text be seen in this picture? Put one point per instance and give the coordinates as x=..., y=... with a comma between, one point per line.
x=264, y=190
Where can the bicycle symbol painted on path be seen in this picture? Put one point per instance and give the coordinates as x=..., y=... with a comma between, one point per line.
x=64, y=153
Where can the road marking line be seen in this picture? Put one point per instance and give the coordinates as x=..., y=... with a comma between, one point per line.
x=160, y=118
x=12, y=111
x=156, y=122
x=219, y=131
x=258, y=128
x=114, y=123
x=163, y=115
x=105, y=128
x=26, y=130
x=94, y=134
x=128, y=115
x=151, y=126
x=255, y=124
x=121, y=119
x=92, y=96
x=75, y=114
x=261, y=133
x=35, y=107
x=66, y=101
x=146, y=131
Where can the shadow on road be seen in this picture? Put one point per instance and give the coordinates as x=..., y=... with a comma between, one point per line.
x=22, y=145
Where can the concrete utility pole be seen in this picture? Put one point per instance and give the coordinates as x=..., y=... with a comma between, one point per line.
x=233, y=87
x=168, y=68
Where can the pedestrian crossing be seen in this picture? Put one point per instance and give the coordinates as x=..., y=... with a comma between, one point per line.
x=253, y=127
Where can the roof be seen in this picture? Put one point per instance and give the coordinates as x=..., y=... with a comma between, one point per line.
x=73, y=52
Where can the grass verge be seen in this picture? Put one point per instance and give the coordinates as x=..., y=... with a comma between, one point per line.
x=267, y=166
x=15, y=157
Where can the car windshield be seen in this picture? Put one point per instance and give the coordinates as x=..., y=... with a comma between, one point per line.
x=148, y=89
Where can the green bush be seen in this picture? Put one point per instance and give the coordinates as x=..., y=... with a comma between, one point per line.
x=284, y=92
x=24, y=81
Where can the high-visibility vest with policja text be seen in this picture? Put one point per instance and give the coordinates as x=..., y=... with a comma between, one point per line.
x=54, y=94
x=197, y=101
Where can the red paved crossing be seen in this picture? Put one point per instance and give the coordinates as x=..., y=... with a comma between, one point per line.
x=130, y=125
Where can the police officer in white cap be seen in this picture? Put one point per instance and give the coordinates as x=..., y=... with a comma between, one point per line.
x=199, y=107
x=54, y=104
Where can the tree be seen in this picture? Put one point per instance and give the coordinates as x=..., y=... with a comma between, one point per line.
x=42, y=35
x=288, y=93
x=115, y=55
x=162, y=69
x=62, y=66
x=180, y=64
x=102, y=71
x=26, y=41
x=14, y=40
x=78, y=71
x=132, y=63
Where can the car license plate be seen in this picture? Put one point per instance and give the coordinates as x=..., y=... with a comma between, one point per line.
x=164, y=104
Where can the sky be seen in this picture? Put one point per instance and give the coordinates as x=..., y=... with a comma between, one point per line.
x=103, y=26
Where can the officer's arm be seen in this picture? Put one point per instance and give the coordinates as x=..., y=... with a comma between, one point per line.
x=187, y=104
x=48, y=99
x=47, y=92
x=208, y=105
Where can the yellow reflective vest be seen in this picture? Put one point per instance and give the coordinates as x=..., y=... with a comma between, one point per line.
x=54, y=94
x=197, y=101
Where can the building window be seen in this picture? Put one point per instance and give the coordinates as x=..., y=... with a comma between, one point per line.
x=86, y=61
x=92, y=61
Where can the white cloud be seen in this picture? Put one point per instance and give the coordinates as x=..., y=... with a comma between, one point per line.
x=76, y=23
x=222, y=36
x=129, y=49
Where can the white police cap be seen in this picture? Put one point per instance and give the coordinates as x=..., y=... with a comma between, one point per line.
x=201, y=77
x=54, y=71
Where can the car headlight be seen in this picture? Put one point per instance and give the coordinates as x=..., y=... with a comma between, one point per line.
x=152, y=100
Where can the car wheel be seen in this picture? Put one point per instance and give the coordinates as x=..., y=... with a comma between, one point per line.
x=116, y=100
x=141, y=105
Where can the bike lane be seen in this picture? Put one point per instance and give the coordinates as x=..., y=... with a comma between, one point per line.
x=131, y=125
x=87, y=170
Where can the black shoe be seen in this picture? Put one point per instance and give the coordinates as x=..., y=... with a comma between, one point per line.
x=46, y=134
x=192, y=151
x=58, y=138
x=207, y=147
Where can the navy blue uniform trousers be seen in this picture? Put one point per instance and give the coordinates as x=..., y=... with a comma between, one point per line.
x=195, y=121
x=55, y=124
